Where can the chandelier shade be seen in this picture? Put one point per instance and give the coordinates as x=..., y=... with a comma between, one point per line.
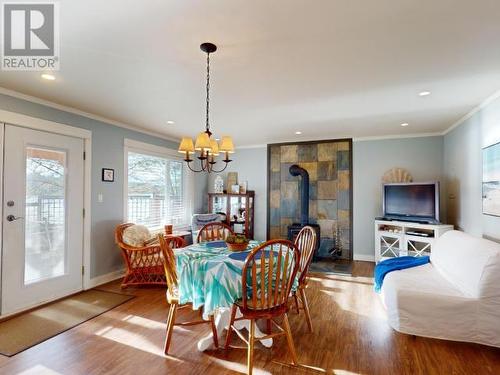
x=202, y=142
x=186, y=145
x=226, y=145
x=214, y=147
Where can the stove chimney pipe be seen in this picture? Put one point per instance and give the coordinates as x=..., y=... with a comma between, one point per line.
x=295, y=170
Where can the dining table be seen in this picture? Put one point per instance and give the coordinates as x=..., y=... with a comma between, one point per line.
x=209, y=277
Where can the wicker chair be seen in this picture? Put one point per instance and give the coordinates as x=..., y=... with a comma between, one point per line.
x=173, y=295
x=306, y=243
x=214, y=232
x=266, y=300
x=144, y=265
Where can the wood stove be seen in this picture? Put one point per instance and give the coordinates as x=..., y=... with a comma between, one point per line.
x=295, y=228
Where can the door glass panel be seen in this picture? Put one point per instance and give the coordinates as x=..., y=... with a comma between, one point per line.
x=45, y=217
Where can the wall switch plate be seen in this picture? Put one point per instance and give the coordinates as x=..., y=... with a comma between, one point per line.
x=100, y=198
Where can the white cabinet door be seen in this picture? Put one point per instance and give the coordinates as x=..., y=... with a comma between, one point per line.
x=43, y=192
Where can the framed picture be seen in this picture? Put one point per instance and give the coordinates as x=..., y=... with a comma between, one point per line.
x=232, y=179
x=491, y=180
x=235, y=189
x=108, y=175
x=243, y=187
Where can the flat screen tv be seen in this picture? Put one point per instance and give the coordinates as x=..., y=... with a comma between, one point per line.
x=417, y=202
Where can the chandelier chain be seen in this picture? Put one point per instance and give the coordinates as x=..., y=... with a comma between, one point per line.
x=207, y=155
x=208, y=92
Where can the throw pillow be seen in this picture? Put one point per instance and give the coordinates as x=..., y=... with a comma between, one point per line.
x=136, y=235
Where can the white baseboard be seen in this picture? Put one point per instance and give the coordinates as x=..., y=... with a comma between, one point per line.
x=364, y=257
x=103, y=279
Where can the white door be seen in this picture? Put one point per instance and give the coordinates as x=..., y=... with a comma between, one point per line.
x=42, y=217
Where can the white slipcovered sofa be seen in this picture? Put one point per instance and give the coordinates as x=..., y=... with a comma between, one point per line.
x=455, y=297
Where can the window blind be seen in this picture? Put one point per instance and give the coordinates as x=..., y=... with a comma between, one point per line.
x=156, y=191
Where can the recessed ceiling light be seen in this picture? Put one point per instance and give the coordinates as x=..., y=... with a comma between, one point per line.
x=170, y=122
x=404, y=124
x=424, y=93
x=298, y=133
x=48, y=77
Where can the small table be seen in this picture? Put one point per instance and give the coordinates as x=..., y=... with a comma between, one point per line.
x=180, y=233
x=210, y=279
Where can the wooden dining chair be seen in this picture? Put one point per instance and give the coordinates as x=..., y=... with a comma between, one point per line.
x=173, y=296
x=276, y=261
x=306, y=243
x=214, y=232
x=175, y=242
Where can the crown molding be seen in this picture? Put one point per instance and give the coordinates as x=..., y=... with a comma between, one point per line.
x=397, y=136
x=252, y=146
x=468, y=115
x=358, y=139
x=75, y=111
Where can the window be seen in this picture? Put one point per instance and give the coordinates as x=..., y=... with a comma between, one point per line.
x=157, y=187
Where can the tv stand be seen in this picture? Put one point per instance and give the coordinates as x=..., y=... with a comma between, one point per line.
x=399, y=238
x=409, y=220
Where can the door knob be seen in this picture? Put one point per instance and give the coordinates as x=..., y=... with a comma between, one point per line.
x=13, y=218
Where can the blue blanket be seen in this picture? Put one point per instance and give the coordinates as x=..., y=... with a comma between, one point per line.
x=394, y=264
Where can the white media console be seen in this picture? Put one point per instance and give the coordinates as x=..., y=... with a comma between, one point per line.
x=399, y=238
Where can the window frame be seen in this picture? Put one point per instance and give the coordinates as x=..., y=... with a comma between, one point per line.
x=133, y=146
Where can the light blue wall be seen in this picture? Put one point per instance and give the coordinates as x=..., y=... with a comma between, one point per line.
x=422, y=157
x=251, y=165
x=463, y=171
x=107, y=152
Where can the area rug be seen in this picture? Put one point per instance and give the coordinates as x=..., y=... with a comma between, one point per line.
x=35, y=326
x=331, y=268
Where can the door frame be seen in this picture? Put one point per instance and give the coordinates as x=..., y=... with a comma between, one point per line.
x=34, y=123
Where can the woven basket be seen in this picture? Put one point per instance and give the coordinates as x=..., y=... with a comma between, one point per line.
x=237, y=246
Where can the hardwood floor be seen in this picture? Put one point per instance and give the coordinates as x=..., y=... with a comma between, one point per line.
x=350, y=337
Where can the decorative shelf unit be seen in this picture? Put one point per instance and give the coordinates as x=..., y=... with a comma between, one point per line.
x=399, y=238
x=239, y=205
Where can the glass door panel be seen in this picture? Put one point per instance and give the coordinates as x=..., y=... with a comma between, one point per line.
x=45, y=217
x=219, y=204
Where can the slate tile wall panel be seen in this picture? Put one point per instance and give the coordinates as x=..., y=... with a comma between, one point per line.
x=328, y=165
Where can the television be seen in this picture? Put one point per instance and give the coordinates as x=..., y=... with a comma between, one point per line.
x=415, y=201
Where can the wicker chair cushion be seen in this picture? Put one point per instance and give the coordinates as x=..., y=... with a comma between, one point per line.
x=136, y=235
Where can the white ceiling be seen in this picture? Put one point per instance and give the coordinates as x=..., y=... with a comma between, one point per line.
x=328, y=68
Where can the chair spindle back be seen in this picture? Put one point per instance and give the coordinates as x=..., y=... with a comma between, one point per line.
x=215, y=231
x=175, y=242
x=268, y=274
x=306, y=243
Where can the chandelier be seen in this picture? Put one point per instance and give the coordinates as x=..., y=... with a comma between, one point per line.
x=207, y=147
